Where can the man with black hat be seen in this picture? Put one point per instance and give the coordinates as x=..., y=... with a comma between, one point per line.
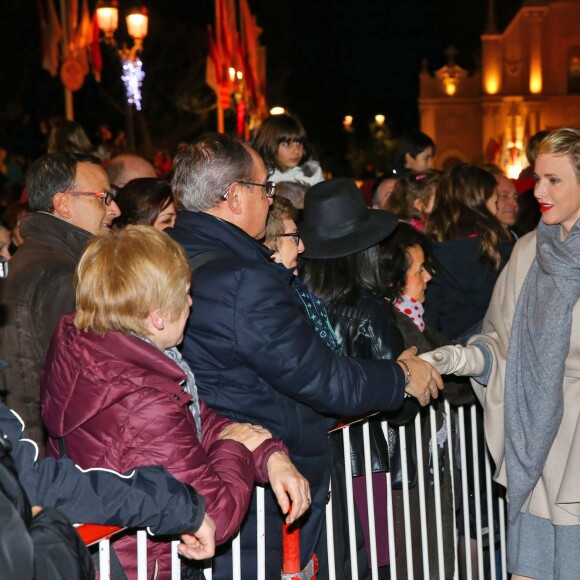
x=255, y=356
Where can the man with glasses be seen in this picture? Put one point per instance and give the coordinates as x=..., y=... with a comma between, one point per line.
x=255, y=356
x=70, y=200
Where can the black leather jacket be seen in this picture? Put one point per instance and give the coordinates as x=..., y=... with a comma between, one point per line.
x=369, y=330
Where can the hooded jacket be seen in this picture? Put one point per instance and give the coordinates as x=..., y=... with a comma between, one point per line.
x=118, y=402
x=256, y=358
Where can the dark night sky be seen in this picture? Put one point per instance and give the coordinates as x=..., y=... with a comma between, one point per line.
x=326, y=58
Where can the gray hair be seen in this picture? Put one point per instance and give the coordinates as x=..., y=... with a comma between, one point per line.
x=293, y=191
x=207, y=167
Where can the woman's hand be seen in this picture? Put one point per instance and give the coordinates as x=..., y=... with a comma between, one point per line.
x=201, y=544
x=464, y=361
x=252, y=436
x=425, y=380
x=291, y=488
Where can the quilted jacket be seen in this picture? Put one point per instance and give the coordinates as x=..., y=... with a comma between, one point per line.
x=256, y=358
x=118, y=402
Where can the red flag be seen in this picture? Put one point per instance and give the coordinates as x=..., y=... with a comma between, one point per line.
x=224, y=32
x=44, y=40
x=52, y=33
x=253, y=54
x=96, y=51
x=213, y=66
x=72, y=24
x=84, y=32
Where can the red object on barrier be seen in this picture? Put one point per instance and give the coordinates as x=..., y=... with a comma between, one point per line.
x=91, y=533
x=291, y=557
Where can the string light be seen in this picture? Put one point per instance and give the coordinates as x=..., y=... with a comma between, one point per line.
x=133, y=76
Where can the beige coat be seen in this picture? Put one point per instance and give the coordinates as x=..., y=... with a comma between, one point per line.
x=557, y=493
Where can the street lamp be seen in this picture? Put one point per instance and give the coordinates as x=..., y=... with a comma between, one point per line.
x=347, y=123
x=133, y=74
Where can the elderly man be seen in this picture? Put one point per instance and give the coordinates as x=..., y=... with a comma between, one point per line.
x=255, y=356
x=507, y=200
x=70, y=199
x=125, y=167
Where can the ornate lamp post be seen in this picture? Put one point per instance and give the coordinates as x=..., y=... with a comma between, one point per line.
x=133, y=75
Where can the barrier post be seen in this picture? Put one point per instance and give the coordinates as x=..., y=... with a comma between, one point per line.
x=291, y=557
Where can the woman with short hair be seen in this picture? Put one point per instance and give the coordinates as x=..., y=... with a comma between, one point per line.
x=524, y=368
x=116, y=392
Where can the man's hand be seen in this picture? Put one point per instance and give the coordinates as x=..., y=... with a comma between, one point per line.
x=291, y=488
x=252, y=436
x=201, y=544
x=425, y=380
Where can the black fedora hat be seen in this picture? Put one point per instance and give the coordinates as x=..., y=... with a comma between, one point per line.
x=336, y=221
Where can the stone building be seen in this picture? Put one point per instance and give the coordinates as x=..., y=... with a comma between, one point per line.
x=529, y=79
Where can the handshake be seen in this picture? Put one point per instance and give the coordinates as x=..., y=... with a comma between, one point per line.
x=464, y=361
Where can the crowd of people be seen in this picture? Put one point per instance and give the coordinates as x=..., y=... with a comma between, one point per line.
x=206, y=330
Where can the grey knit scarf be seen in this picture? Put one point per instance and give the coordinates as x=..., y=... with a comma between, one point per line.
x=539, y=345
x=190, y=386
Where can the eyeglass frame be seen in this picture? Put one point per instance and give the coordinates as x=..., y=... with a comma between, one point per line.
x=108, y=197
x=294, y=235
x=269, y=185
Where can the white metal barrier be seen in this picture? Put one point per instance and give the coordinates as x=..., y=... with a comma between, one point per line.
x=410, y=556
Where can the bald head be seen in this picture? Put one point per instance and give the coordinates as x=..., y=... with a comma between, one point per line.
x=125, y=167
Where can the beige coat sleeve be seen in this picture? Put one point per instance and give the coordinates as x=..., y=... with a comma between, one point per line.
x=496, y=334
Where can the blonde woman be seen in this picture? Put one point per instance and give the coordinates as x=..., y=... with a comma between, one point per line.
x=524, y=368
x=116, y=392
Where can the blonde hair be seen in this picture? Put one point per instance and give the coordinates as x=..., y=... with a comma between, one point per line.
x=563, y=142
x=124, y=276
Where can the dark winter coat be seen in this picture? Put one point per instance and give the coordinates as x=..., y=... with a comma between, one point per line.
x=257, y=359
x=143, y=497
x=37, y=292
x=118, y=402
x=459, y=294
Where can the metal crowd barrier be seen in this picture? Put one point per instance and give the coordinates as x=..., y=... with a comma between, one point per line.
x=480, y=501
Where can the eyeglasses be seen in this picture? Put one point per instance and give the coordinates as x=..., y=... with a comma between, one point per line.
x=269, y=186
x=294, y=235
x=107, y=196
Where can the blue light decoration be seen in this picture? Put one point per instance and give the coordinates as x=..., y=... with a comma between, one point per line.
x=133, y=76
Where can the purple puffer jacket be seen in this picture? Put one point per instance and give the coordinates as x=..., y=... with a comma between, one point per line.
x=118, y=402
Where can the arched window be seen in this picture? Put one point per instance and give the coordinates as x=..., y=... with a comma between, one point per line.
x=574, y=70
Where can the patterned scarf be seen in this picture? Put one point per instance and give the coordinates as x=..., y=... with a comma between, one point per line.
x=411, y=308
x=316, y=313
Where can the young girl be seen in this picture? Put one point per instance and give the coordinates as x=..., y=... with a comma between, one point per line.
x=470, y=249
x=282, y=144
x=413, y=197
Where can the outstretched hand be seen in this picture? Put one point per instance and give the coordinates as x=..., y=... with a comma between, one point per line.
x=290, y=487
x=466, y=361
x=201, y=544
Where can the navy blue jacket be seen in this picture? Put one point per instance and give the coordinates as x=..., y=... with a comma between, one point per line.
x=144, y=497
x=256, y=358
x=459, y=294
